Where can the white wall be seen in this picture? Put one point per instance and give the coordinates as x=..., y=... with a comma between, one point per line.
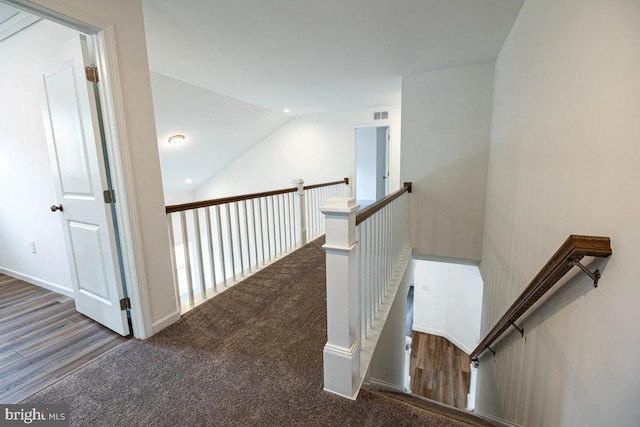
x=315, y=148
x=179, y=198
x=126, y=17
x=448, y=302
x=445, y=146
x=565, y=159
x=26, y=189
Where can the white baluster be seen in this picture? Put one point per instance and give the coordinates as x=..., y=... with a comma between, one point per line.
x=292, y=219
x=172, y=243
x=221, y=246
x=212, y=263
x=187, y=258
x=255, y=231
x=198, y=243
x=273, y=222
x=239, y=234
x=279, y=203
x=246, y=231
x=230, y=235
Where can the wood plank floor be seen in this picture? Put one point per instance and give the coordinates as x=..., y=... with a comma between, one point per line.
x=439, y=370
x=43, y=338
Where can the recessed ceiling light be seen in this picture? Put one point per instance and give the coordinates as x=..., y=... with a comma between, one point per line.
x=286, y=110
x=176, y=139
x=188, y=180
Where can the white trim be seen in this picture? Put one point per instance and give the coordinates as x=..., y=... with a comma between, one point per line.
x=350, y=355
x=447, y=259
x=338, y=249
x=166, y=321
x=15, y=24
x=500, y=421
x=344, y=352
x=443, y=334
x=353, y=397
x=384, y=385
x=117, y=147
x=122, y=178
x=60, y=12
x=373, y=124
x=54, y=287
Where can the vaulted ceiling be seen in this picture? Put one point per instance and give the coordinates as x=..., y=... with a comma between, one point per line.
x=224, y=70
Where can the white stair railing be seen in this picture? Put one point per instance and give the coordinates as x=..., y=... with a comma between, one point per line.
x=315, y=196
x=217, y=243
x=367, y=254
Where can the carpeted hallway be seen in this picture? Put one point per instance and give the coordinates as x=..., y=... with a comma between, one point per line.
x=251, y=356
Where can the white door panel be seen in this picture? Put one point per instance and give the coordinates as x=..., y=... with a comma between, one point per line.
x=75, y=148
x=66, y=126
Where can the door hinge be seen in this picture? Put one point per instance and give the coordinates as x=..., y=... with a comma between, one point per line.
x=125, y=304
x=109, y=196
x=92, y=74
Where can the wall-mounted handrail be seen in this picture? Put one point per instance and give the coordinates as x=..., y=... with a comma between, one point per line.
x=370, y=210
x=565, y=258
x=232, y=199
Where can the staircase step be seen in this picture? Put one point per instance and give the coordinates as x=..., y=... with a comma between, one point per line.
x=437, y=407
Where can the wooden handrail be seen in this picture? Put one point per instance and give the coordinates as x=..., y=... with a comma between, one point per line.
x=231, y=199
x=370, y=210
x=565, y=258
x=327, y=184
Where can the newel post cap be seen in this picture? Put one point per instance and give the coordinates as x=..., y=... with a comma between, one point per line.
x=345, y=205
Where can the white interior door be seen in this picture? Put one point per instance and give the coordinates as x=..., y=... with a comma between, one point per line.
x=75, y=147
x=381, y=162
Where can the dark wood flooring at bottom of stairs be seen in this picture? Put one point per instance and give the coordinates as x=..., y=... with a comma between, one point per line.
x=440, y=371
x=43, y=338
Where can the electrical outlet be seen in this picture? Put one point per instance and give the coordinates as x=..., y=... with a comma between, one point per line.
x=32, y=245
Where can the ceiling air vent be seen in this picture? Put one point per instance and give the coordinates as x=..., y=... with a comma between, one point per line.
x=381, y=115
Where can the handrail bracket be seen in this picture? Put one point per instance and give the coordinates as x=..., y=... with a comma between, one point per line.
x=595, y=276
x=521, y=330
x=490, y=349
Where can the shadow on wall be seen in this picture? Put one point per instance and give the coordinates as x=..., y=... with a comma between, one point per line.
x=537, y=349
x=448, y=209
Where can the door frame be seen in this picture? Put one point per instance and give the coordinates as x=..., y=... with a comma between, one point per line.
x=373, y=124
x=118, y=147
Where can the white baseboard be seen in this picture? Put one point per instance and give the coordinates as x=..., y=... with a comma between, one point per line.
x=384, y=385
x=499, y=421
x=443, y=334
x=165, y=321
x=54, y=287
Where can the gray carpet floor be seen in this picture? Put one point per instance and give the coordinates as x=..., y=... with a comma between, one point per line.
x=250, y=357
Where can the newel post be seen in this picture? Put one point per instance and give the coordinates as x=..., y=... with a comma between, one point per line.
x=342, y=351
x=301, y=216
